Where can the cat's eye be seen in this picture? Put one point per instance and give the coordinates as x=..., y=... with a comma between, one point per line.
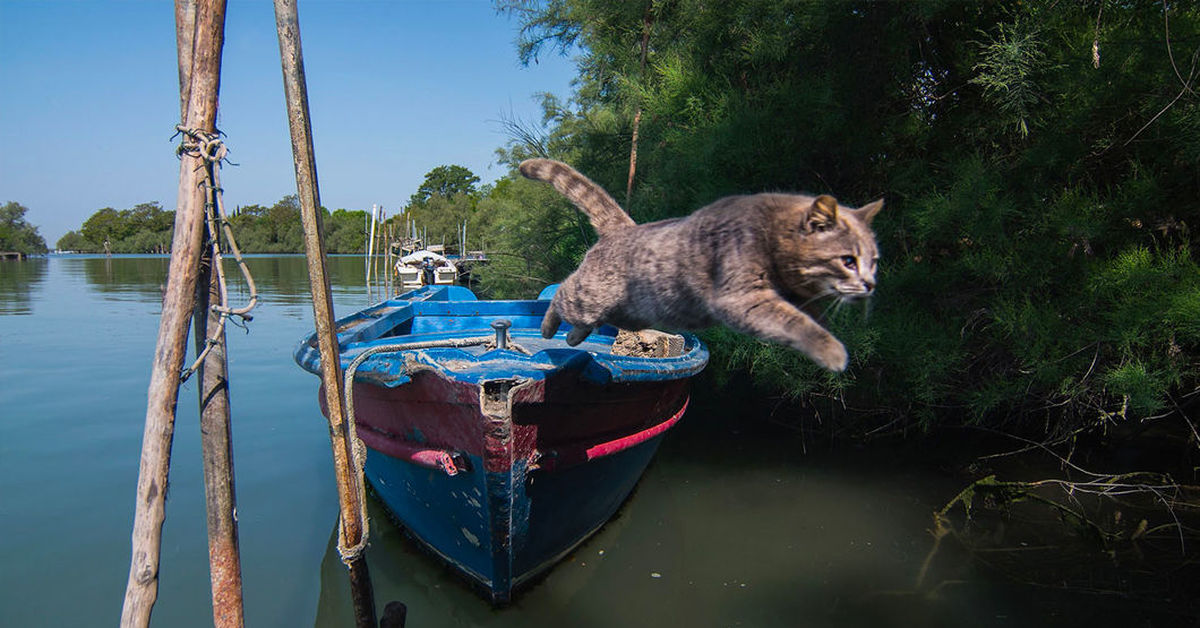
x=849, y=262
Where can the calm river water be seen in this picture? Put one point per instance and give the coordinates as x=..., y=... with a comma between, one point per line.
x=732, y=525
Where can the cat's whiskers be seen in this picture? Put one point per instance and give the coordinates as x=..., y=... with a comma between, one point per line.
x=820, y=295
x=834, y=304
x=838, y=303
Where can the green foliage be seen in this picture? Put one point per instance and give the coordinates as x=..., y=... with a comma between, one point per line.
x=1036, y=258
x=345, y=230
x=73, y=241
x=440, y=216
x=277, y=229
x=274, y=229
x=146, y=228
x=536, y=238
x=1037, y=265
x=445, y=182
x=16, y=234
x=446, y=200
x=1010, y=61
x=143, y=228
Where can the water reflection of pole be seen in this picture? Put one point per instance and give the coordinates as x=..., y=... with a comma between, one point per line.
x=349, y=481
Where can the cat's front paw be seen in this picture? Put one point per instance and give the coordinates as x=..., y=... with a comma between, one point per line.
x=831, y=355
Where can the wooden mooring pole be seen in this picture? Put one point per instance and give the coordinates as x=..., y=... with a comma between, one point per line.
x=216, y=445
x=349, y=482
x=212, y=384
x=142, y=588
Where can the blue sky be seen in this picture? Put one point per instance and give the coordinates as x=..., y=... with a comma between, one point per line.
x=89, y=100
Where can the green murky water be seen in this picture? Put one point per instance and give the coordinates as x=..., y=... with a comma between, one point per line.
x=732, y=525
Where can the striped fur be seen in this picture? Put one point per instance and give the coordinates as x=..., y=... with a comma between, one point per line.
x=754, y=263
x=600, y=208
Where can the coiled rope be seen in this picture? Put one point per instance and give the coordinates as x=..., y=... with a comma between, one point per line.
x=358, y=449
x=211, y=150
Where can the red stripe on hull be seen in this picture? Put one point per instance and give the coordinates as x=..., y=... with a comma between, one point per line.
x=613, y=446
x=568, y=419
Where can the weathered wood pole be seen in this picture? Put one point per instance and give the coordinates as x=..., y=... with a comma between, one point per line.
x=216, y=437
x=287, y=23
x=216, y=441
x=142, y=588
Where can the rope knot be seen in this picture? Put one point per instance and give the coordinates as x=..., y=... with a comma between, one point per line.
x=209, y=148
x=200, y=144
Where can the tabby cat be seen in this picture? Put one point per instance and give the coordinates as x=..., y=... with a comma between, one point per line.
x=750, y=262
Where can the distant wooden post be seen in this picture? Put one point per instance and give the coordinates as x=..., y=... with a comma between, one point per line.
x=287, y=23
x=142, y=588
x=370, y=251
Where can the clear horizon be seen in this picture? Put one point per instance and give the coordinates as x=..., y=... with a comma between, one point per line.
x=396, y=89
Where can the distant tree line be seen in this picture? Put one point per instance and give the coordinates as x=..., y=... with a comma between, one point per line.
x=143, y=228
x=147, y=228
x=277, y=229
x=16, y=234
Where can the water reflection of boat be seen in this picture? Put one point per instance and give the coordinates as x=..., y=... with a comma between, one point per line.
x=425, y=268
x=501, y=456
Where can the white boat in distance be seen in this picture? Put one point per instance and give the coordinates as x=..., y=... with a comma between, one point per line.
x=424, y=267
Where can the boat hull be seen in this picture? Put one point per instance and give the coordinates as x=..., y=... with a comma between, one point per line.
x=501, y=453
x=537, y=468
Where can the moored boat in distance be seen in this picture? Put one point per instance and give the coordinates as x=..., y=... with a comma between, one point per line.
x=499, y=450
x=425, y=268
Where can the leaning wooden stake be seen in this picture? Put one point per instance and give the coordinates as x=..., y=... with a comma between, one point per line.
x=349, y=482
x=216, y=444
x=142, y=588
x=212, y=384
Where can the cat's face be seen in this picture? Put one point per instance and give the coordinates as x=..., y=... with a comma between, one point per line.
x=823, y=249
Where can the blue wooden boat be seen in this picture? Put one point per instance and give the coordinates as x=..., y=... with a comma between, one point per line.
x=502, y=455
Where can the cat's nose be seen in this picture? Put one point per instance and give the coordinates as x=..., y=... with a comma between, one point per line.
x=869, y=285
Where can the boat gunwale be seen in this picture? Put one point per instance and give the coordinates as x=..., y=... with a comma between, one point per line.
x=369, y=327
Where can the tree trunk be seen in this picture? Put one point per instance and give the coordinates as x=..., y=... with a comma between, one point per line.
x=647, y=22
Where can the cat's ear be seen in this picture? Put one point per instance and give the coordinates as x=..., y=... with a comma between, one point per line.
x=866, y=213
x=822, y=214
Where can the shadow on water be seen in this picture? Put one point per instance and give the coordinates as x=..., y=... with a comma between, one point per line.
x=734, y=525
x=19, y=280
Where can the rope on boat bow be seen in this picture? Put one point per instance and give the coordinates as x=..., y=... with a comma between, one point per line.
x=211, y=148
x=359, y=450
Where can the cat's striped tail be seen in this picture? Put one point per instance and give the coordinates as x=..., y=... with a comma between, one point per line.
x=603, y=212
